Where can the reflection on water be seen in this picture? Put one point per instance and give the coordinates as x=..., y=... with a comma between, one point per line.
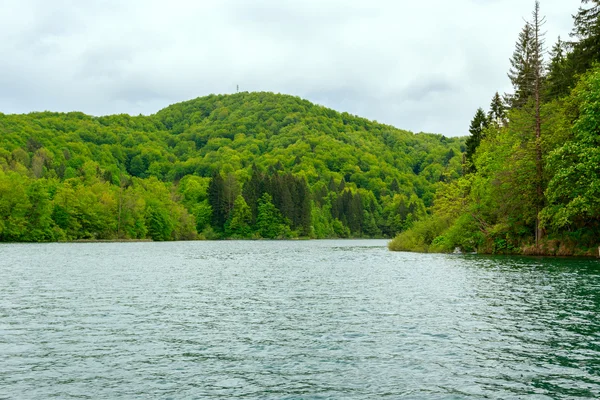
x=299, y=319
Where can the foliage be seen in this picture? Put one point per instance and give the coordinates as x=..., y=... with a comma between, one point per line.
x=270, y=224
x=478, y=124
x=574, y=190
x=238, y=226
x=196, y=168
x=497, y=113
x=521, y=71
x=535, y=186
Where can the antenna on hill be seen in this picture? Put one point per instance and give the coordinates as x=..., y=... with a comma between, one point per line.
x=237, y=88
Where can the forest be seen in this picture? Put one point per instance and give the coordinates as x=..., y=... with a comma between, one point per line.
x=526, y=180
x=532, y=162
x=245, y=166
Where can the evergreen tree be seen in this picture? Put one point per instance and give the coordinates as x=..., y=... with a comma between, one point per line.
x=394, y=186
x=334, y=200
x=303, y=206
x=343, y=201
x=521, y=71
x=239, y=222
x=370, y=227
x=478, y=124
x=449, y=156
x=527, y=63
x=537, y=23
x=586, y=50
x=253, y=189
x=217, y=201
x=269, y=222
x=231, y=189
x=286, y=205
x=560, y=76
x=497, y=113
x=355, y=214
x=332, y=186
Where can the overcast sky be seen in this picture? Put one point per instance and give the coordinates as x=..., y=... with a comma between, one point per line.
x=418, y=65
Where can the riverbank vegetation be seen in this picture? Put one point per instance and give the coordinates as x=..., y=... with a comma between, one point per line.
x=264, y=165
x=248, y=165
x=532, y=181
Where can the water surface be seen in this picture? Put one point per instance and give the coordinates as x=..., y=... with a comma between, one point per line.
x=293, y=320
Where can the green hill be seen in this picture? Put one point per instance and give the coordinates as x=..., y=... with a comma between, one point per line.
x=247, y=165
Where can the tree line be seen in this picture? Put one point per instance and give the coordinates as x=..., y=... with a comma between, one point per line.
x=248, y=165
x=532, y=164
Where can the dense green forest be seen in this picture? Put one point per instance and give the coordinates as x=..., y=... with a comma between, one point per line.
x=532, y=181
x=248, y=165
x=264, y=165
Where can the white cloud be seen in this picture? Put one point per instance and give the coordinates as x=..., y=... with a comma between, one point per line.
x=423, y=66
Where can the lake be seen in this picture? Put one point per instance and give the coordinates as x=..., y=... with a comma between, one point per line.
x=331, y=319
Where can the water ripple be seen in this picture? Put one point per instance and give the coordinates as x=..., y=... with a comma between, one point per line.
x=293, y=320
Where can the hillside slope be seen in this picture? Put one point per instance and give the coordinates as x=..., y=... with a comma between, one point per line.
x=242, y=165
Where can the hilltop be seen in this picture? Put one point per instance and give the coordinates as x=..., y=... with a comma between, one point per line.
x=246, y=165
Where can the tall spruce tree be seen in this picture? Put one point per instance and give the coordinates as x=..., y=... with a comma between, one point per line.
x=586, y=49
x=217, y=201
x=269, y=222
x=302, y=206
x=497, y=113
x=238, y=224
x=560, y=77
x=253, y=189
x=231, y=189
x=478, y=124
x=527, y=75
x=521, y=70
x=538, y=49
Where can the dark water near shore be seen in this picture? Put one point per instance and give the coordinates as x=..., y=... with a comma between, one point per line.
x=293, y=320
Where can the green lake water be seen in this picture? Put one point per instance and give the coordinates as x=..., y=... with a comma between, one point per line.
x=293, y=320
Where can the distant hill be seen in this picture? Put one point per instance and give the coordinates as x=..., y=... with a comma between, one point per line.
x=246, y=165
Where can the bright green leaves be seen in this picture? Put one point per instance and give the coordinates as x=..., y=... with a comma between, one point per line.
x=269, y=222
x=574, y=190
x=158, y=222
x=14, y=207
x=239, y=223
x=72, y=176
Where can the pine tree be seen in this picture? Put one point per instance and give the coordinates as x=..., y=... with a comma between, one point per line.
x=286, y=205
x=560, y=76
x=478, y=125
x=370, y=227
x=253, y=189
x=586, y=50
x=231, y=189
x=537, y=23
x=269, y=222
x=217, y=201
x=241, y=217
x=304, y=206
x=394, y=186
x=332, y=186
x=497, y=113
x=527, y=75
x=355, y=214
x=521, y=71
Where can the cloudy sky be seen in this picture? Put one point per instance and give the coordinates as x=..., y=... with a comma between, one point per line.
x=416, y=64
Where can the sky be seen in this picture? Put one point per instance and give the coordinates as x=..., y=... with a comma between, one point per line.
x=420, y=65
